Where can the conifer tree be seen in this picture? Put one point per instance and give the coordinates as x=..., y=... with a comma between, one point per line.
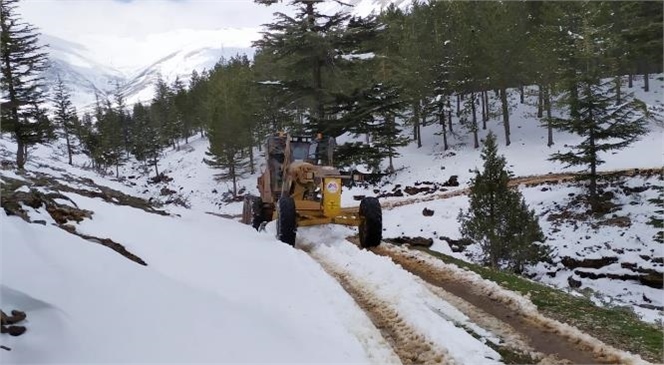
x=373, y=113
x=147, y=138
x=112, y=149
x=181, y=109
x=65, y=117
x=163, y=112
x=89, y=138
x=195, y=105
x=315, y=51
x=228, y=118
x=22, y=62
x=276, y=110
x=124, y=119
x=498, y=217
x=593, y=115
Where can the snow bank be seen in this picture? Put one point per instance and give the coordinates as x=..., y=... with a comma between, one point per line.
x=213, y=291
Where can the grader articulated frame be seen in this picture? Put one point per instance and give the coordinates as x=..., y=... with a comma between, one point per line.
x=300, y=187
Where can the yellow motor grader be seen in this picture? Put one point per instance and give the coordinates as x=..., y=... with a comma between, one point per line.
x=300, y=187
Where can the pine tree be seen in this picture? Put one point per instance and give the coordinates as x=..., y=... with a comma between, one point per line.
x=195, y=107
x=543, y=65
x=89, y=137
x=276, y=109
x=593, y=114
x=373, y=113
x=147, y=138
x=112, y=150
x=642, y=36
x=124, y=119
x=498, y=217
x=313, y=52
x=181, y=109
x=23, y=61
x=418, y=62
x=228, y=118
x=65, y=117
x=163, y=112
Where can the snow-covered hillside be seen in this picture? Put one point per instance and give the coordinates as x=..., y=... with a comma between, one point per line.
x=105, y=277
x=194, y=184
x=76, y=67
x=213, y=290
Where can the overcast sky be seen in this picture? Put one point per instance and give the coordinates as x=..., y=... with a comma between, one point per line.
x=127, y=33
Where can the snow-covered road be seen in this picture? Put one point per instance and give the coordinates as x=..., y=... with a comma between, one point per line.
x=406, y=296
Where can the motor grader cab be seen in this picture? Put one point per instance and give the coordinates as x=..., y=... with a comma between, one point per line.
x=300, y=187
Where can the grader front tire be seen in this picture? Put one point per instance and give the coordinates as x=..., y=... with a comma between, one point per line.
x=371, y=222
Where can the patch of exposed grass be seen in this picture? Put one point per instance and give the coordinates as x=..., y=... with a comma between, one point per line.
x=619, y=327
x=659, y=201
x=656, y=222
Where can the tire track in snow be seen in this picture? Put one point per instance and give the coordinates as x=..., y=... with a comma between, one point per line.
x=544, y=335
x=422, y=328
x=511, y=339
x=410, y=347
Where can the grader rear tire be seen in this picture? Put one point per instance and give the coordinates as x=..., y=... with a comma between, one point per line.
x=286, y=220
x=371, y=222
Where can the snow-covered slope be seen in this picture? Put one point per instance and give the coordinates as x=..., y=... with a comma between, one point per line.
x=217, y=291
x=75, y=65
x=527, y=155
x=179, y=64
x=213, y=290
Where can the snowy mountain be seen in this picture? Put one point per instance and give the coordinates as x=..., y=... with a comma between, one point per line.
x=76, y=66
x=178, y=64
x=84, y=75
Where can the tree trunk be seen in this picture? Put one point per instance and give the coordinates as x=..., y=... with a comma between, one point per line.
x=232, y=171
x=593, y=171
x=574, y=95
x=117, y=170
x=646, y=81
x=416, y=123
x=449, y=115
x=458, y=113
x=474, y=109
x=484, y=113
x=156, y=169
x=521, y=94
x=488, y=106
x=539, y=101
x=68, y=148
x=251, y=159
x=20, y=154
x=630, y=80
x=547, y=107
x=441, y=120
x=506, y=117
